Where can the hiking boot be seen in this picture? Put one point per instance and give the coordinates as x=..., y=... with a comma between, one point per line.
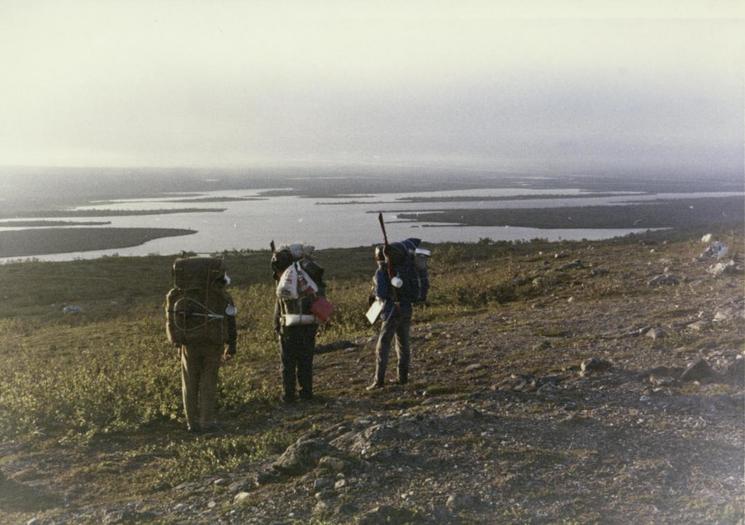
x=306, y=396
x=376, y=386
x=288, y=398
x=212, y=428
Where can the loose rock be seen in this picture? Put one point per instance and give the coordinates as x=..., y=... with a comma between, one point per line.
x=594, y=364
x=697, y=326
x=656, y=333
x=663, y=280
x=698, y=371
x=322, y=483
x=332, y=464
x=241, y=498
x=388, y=514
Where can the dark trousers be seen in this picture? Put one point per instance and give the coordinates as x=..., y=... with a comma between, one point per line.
x=396, y=327
x=296, y=345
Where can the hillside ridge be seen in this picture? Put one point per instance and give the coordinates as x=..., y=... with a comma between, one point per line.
x=577, y=382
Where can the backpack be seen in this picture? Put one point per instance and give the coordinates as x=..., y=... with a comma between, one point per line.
x=299, y=279
x=198, y=305
x=410, y=265
x=283, y=257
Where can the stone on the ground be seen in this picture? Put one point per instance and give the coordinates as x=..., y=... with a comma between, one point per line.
x=332, y=464
x=387, y=514
x=456, y=502
x=594, y=364
x=656, y=333
x=572, y=265
x=663, y=280
x=322, y=483
x=722, y=268
x=699, y=370
x=301, y=456
x=697, y=326
x=241, y=498
x=325, y=494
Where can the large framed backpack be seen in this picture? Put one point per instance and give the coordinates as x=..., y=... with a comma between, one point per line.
x=409, y=263
x=300, y=287
x=198, y=305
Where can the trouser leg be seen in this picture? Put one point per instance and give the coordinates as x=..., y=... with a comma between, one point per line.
x=288, y=365
x=305, y=349
x=403, y=348
x=208, y=386
x=190, y=372
x=382, y=349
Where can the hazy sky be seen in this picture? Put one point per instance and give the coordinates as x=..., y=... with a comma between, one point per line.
x=558, y=85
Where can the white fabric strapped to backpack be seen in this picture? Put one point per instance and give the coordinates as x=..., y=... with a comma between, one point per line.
x=293, y=285
x=295, y=282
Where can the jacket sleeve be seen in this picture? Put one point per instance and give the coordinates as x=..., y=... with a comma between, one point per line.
x=232, y=330
x=232, y=334
x=382, y=284
x=276, y=318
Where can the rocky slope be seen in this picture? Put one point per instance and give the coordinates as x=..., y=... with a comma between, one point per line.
x=612, y=394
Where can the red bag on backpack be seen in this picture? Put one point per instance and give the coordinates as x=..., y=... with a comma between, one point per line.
x=322, y=309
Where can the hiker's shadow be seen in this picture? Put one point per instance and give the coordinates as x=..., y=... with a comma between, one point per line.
x=17, y=497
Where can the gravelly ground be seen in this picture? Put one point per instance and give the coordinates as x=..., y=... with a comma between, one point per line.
x=500, y=424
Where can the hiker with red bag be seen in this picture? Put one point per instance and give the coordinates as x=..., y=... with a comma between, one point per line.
x=299, y=308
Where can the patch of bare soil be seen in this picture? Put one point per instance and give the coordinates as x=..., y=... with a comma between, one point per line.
x=610, y=396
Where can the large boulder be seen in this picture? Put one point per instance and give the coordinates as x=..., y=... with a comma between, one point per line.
x=301, y=456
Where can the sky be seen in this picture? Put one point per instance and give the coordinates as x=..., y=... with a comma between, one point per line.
x=562, y=85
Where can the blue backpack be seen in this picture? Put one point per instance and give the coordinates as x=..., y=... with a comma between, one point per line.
x=410, y=265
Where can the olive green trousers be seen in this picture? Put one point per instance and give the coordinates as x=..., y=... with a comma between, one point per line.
x=199, y=367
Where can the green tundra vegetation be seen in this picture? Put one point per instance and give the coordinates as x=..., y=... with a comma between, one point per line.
x=107, y=375
x=73, y=379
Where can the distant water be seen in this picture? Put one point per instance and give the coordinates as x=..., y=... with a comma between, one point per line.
x=346, y=221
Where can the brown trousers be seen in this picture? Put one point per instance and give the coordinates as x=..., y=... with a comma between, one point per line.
x=199, y=367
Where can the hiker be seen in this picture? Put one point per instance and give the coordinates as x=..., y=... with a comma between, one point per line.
x=300, y=288
x=200, y=318
x=400, y=280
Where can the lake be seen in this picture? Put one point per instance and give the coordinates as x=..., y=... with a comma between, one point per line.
x=342, y=221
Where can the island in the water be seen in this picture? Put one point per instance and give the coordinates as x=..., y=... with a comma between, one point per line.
x=27, y=243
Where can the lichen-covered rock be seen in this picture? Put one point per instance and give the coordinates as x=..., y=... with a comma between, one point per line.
x=301, y=456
